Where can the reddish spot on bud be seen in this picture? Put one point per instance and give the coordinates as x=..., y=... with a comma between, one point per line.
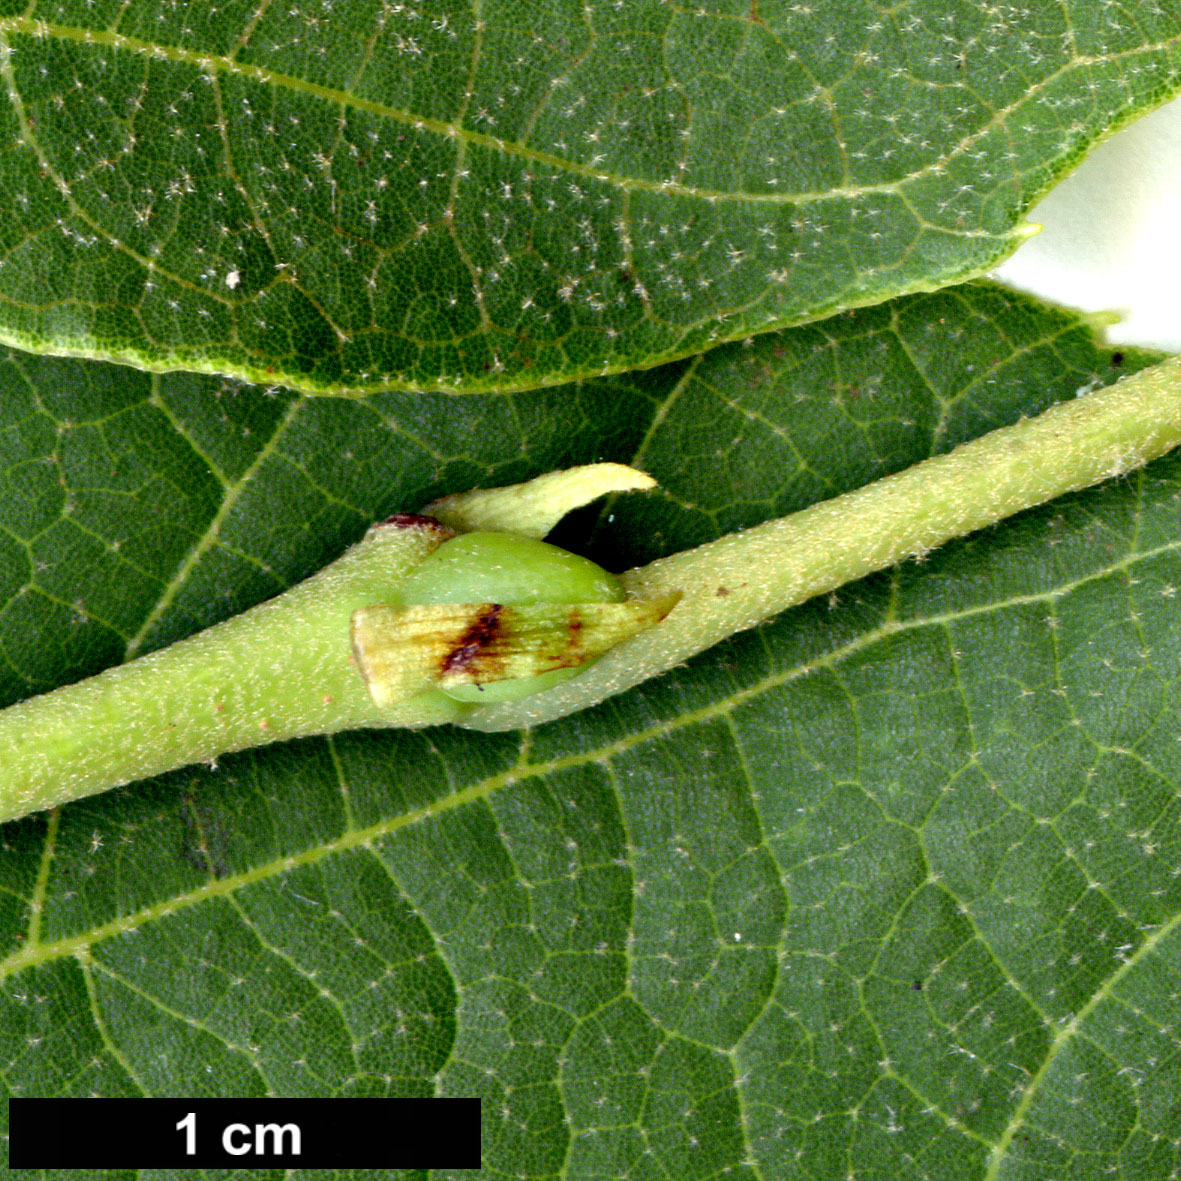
x=412, y=521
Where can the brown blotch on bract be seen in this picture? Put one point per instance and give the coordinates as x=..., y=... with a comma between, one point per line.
x=473, y=648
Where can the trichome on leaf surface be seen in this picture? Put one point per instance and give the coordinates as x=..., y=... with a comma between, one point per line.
x=883, y=885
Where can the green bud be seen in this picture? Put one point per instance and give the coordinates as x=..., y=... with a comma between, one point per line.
x=507, y=570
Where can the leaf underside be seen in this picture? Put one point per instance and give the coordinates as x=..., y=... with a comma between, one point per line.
x=348, y=198
x=887, y=887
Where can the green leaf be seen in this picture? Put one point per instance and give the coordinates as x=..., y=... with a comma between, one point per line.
x=884, y=888
x=370, y=196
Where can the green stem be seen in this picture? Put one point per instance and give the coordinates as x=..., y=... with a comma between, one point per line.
x=287, y=669
x=746, y=578
x=281, y=670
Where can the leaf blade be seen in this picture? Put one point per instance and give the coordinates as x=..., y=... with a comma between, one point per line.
x=303, y=208
x=873, y=794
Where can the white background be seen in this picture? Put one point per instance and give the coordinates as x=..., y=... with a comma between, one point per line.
x=1112, y=234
